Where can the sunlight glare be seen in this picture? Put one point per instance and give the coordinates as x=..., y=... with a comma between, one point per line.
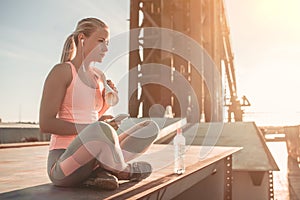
x=279, y=10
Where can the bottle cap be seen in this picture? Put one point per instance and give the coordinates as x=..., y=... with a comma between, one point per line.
x=179, y=131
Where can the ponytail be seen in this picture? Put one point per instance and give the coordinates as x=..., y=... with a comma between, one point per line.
x=69, y=49
x=86, y=26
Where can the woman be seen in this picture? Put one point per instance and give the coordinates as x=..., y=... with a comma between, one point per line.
x=82, y=145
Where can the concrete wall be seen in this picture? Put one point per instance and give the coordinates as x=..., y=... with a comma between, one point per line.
x=21, y=134
x=246, y=187
x=210, y=188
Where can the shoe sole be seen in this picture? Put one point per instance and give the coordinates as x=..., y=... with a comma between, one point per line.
x=106, y=184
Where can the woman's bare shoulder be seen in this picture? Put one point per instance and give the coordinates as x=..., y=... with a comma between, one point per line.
x=62, y=67
x=61, y=71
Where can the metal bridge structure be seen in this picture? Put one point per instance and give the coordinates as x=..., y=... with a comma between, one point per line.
x=204, y=22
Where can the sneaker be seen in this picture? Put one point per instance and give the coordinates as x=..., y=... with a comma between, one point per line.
x=104, y=180
x=139, y=171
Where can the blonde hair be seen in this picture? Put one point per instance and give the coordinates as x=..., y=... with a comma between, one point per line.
x=86, y=26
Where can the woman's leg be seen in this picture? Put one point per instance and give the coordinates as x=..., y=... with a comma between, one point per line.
x=96, y=144
x=58, y=177
x=138, y=139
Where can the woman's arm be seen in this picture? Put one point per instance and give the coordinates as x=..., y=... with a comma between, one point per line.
x=54, y=91
x=103, y=109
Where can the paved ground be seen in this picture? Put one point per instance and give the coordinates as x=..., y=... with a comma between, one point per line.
x=23, y=174
x=287, y=180
x=17, y=163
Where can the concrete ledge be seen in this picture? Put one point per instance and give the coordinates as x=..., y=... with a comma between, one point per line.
x=24, y=144
x=34, y=183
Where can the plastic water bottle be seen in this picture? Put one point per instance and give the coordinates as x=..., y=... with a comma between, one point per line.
x=179, y=151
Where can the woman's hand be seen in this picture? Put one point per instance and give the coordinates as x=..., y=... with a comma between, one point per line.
x=112, y=85
x=100, y=75
x=106, y=118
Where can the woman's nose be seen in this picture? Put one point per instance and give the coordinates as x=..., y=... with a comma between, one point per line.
x=104, y=47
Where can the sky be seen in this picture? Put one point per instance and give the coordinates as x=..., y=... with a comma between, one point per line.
x=264, y=36
x=265, y=41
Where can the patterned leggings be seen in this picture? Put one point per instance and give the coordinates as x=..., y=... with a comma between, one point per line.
x=99, y=145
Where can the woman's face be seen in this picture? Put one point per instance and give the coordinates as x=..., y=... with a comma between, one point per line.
x=95, y=46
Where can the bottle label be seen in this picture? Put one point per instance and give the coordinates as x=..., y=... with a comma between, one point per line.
x=179, y=167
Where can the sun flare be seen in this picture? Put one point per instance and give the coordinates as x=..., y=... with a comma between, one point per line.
x=279, y=9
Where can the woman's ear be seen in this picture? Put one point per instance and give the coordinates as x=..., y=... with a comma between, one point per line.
x=81, y=38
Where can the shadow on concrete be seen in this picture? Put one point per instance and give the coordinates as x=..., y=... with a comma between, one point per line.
x=51, y=192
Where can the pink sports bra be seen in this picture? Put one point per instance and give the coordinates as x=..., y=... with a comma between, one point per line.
x=81, y=104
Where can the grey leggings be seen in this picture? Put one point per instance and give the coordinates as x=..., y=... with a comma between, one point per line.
x=99, y=145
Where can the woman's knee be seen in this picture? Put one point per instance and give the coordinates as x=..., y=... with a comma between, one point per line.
x=151, y=129
x=143, y=135
x=99, y=131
